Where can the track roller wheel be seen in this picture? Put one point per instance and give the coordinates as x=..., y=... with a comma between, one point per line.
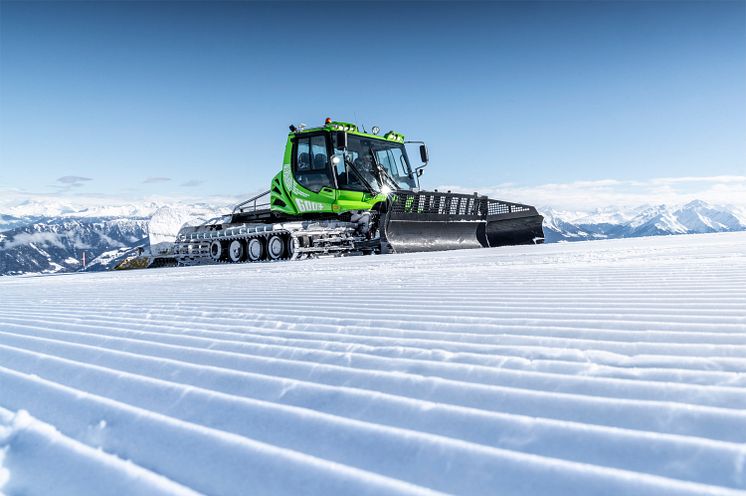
x=254, y=250
x=290, y=247
x=216, y=250
x=236, y=251
x=275, y=247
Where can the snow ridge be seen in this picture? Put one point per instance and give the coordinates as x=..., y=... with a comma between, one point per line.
x=606, y=367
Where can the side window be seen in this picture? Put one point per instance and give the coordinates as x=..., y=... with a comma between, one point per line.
x=311, y=169
x=318, y=152
x=303, y=157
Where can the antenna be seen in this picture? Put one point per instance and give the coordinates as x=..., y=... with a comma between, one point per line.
x=361, y=125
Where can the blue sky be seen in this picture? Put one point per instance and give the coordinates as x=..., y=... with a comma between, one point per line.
x=135, y=99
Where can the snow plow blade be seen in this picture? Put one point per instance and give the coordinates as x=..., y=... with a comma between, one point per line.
x=518, y=230
x=435, y=221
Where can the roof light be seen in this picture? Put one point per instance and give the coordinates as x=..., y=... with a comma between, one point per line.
x=328, y=121
x=376, y=129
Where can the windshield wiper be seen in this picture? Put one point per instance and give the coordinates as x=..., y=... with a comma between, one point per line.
x=365, y=182
x=381, y=171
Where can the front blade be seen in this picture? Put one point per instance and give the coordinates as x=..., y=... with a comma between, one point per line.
x=433, y=221
x=524, y=230
x=406, y=236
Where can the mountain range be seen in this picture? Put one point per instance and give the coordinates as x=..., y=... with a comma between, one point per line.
x=694, y=217
x=59, y=244
x=43, y=238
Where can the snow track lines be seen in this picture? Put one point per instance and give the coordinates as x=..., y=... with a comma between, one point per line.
x=614, y=367
x=60, y=465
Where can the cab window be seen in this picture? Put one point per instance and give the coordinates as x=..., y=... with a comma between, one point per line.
x=347, y=178
x=311, y=163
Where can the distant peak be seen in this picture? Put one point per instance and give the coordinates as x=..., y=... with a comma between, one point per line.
x=697, y=203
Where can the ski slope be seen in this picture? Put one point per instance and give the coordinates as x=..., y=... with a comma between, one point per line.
x=607, y=367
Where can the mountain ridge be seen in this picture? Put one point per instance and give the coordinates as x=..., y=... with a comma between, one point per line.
x=695, y=217
x=35, y=243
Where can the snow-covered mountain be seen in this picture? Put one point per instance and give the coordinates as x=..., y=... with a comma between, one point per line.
x=57, y=244
x=694, y=217
x=166, y=221
x=32, y=241
x=38, y=237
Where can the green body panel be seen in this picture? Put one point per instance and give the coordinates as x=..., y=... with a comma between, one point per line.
x=356, y=200
x=291, y=198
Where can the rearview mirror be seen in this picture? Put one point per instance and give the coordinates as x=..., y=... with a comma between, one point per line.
x=341, y=140
x=423, y=154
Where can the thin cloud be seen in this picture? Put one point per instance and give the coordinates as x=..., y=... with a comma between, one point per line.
x=156, y=179
x=702, y=179
x=72, y=181
x=41, y=238
x=192, y=183
x=590, y=195
x=584, y=195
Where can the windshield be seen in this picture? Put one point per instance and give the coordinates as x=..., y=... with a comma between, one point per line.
x=392, y=157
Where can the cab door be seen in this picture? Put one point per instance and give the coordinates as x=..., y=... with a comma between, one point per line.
x=351, y=193
x=312, y=173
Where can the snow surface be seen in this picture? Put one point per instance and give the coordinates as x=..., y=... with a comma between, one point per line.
x=606, y=367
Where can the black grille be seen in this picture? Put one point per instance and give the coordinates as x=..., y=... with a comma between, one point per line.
x=450, y=206
x=447, y=206
x=497, y=207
